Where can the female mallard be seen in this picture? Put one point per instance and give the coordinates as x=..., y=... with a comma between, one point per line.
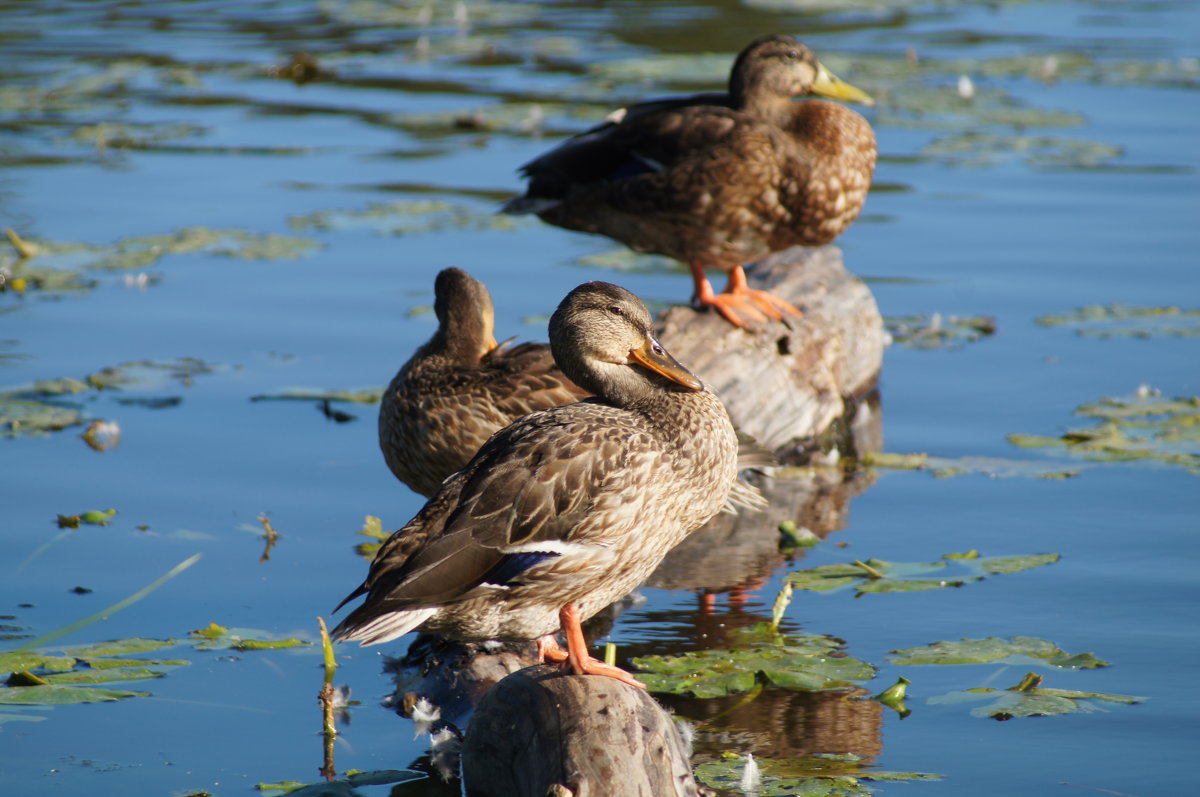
x=716, y=180
x=570, y=507
x=460, y=387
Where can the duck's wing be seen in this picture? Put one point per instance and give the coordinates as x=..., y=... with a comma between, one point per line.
x=520, y=501
x=641, y=138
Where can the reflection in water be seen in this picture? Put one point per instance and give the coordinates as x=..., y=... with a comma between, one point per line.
x=783, y=723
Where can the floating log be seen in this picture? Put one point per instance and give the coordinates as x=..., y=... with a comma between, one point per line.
x=786, y=386
x=541, y=732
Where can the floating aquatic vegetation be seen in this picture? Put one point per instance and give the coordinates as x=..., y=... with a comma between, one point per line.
x=1017, y=650
x=29, y=413
x=218, y=637
x=56, y=266
x=342, y=787
x=373, y=530
x=810, y=663
x=893, y=697
x=812, y=776
x=974, y=148
x=1030, y=699
x=936, y=331
x=130, y=135
x=69, y=676
x=95, y=517
x=945, y=467
x=1126, y=321
x=876, y=575
x=1144, y=427
x=369, y=395
x=410, y=217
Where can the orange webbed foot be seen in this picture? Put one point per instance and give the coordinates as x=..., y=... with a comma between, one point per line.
x=577, y=658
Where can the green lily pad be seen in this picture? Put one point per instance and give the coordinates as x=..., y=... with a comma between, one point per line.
x=1018, y=649
x=1028, y=699
x=876, y=575
x=339, y=788
x=812, y=776
x=405, y=218
x=118, y=647
x=30, y=660
x=992, y=467
x=61, y=695
x=1141, y=427
x=370, y=395
x=217, y=637
x=28, y=414
x=1126, y=321
x=811, y=664
x=937, y=331
x=5, y=718
x=103, y=675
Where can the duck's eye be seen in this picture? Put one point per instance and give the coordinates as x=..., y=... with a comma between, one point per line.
x=616, y=309
x=793, y=55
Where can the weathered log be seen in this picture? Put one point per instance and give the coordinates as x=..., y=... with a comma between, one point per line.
x=543, y=732
x=786, y=386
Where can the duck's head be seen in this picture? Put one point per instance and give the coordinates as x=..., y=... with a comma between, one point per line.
x=602, y=339
x=466, y=318
x=776, y=68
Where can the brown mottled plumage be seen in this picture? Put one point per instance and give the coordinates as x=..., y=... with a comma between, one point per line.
x=460, y=387
x=716, y=180
x=570, y=507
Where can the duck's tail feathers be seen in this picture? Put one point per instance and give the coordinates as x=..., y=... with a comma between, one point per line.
x=383, y=628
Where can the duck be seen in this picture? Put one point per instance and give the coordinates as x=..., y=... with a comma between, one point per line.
x=716, y=180
x=568, y=508
x=461, y=386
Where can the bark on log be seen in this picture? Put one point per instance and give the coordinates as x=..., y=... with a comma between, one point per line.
x=542, y=732
x=782, y=386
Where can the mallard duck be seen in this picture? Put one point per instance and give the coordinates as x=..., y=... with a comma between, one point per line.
x=717, y=180
x=460, y=387
x=567, y=509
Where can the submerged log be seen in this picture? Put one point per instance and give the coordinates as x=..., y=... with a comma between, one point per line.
x=786, y=386
x=542, y=732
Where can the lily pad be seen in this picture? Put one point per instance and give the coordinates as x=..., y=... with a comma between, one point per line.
x=1141, y=427
x=1127, y=321
x=340, y=787
x=992, y=467
x=61, y=695
x=1018, y=649
x=807, y=663
x=877, y=575
x=1029, y=699
x=405, y=218
x=362, y=396
x=218, y=637
x=937, y=331
x=812, y=776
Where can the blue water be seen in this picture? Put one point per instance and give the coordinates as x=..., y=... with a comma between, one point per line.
x=1008, y=239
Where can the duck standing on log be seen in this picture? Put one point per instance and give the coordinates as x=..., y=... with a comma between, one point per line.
x=567, y=509
x=720, y=179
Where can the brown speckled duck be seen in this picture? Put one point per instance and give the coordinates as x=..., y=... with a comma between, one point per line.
x=460, y=387
x=570, y=507
x=716, y=180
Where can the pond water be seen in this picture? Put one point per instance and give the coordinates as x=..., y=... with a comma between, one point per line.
x=246, y=234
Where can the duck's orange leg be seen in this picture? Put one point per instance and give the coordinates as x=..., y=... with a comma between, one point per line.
x=576, y=658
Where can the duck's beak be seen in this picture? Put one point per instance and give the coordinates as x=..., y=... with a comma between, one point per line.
x=652, y=355
x=828, y=84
